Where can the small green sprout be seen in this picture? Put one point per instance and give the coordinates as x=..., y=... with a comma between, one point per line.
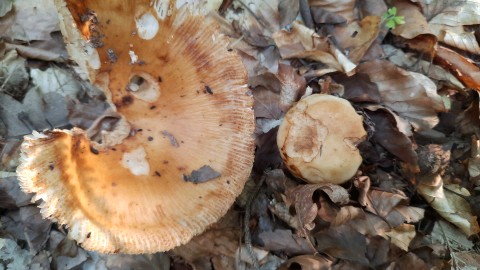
x=391, y=18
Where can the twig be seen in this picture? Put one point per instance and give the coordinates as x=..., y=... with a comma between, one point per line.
x=246, y=221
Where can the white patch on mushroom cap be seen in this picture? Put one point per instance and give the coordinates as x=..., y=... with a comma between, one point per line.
x=162, y=7
x=147, y=26
x=133, y=57
x=136, y=161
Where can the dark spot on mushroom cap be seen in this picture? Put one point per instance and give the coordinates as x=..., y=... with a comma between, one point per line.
x=208, y=89
x=93, y=150
x=51, y=167
x=150, y=138
x=89, y=234
x=127, y=100
x=157, y=173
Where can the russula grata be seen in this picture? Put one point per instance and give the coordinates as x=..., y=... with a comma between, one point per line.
x=182, y=148
x=318, y=137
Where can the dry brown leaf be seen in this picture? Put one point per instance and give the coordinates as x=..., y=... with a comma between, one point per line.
x=392, y=207
x=363, y=222
x=285, y=84
x=465, y=260
x=256, y=21
x=465, y=71
x=447, y=19
x=307, y=262
x=13, y=74
x=450, y=206
x=373, y=7
x=10, y=188
x=266, y=103
x=410, y=94
x=210, y=244
x=388, y=135
x=31, y=20
x=357, y=37
x=358, y=88
x=302, y=198
x=402, y=235
x=267, y=154
x=474, y=162
x=343, y=242
x=468, y=121
x=303, y=42
x=415, y=30
x=286, y=242
x=409, y=261
x=344, y=8
x=434, y=72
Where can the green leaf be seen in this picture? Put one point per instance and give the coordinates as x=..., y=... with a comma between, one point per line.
x=399, y=20
x=392, y=11
x=391, y=24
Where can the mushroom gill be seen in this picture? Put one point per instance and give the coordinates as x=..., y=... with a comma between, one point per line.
x=182, y=149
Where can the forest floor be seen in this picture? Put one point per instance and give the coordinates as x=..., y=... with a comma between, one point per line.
x=410, y=68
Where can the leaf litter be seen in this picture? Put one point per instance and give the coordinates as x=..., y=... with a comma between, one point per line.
x=412, y=205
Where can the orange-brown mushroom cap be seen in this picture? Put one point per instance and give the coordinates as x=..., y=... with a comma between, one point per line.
x=185, y=117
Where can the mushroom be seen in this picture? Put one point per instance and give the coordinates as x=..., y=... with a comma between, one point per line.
x=182, y=148
x=318, y=138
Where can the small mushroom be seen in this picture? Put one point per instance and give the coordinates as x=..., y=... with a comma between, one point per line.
x=128, y=193
x=318, y=138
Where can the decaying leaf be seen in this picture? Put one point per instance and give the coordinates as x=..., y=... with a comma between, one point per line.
x=402, y=235
x=410, y=94
x=474, y=162
x=357, y=37
x=13, y=256
x=387, y=133
x=449, y=205
x=343, y=242
x=465, y=71
x=30, y=20
x=303, y=42
x=415, y=29
x=434, y=72
x=444, y=233
x=287, y=85
x=285, y=241
x=256, y=20
x=5, y=7
x=13, y=74
x=302, y=197
x=307, y=262
x=448, y=18
x=343, y=8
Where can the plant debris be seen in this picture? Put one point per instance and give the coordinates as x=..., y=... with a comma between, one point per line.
x=410, y=69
